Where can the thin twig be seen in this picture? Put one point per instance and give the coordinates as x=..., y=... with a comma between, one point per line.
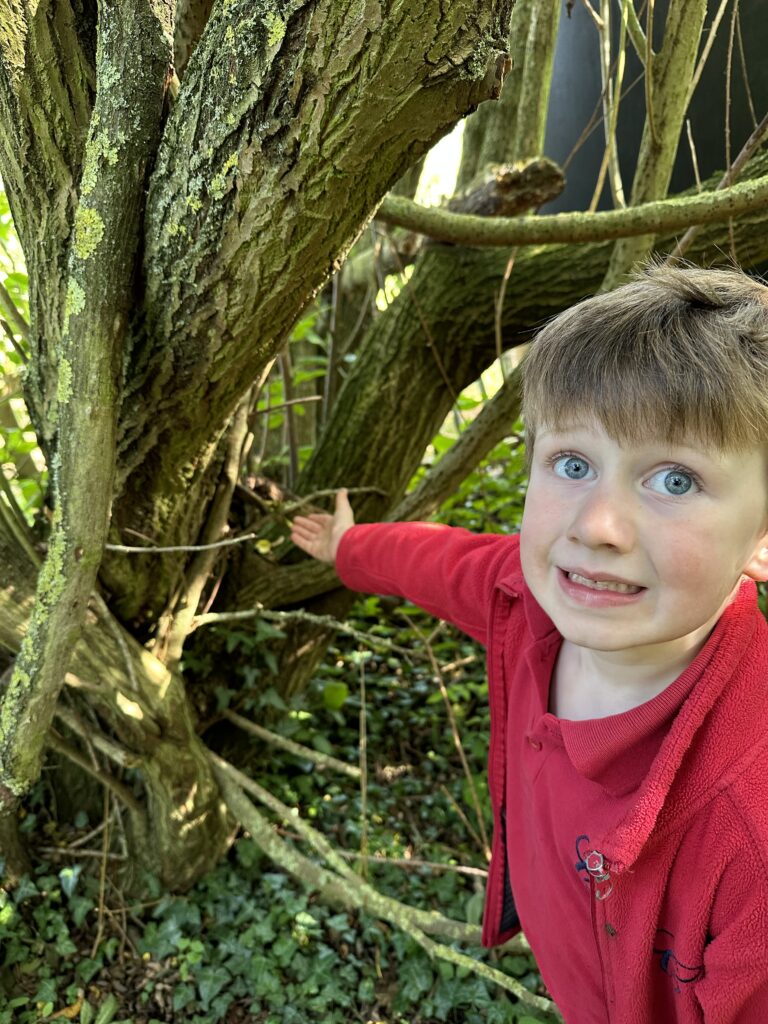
x=411, y=294
x=152, y=550
x=322, y=761
x=617, y=186
x=17, y=524
x=649, y=73
x=486, y=847
x=462, y=816
x=332, y=350
x=635, y=30
x=595, y=121
x=291, y=432
x=16, y=346
x=284, y=405
x=120, y=755
x=330, y=492
x=611, y=94
x=363, y=776
x=411, y=863
x=744, y=71
x=728, y=75
x=67, y=851
x=749, y=148
x=499, y=310
x=706, y=51
x=102, y=877
x=599, y=23
x=414, y=863
x=115, y=630
x=694, y=159
x=81, y=840
x=62, y=747
x=326, y=621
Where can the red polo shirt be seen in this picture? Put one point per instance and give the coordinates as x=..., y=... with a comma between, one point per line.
x=569, y=781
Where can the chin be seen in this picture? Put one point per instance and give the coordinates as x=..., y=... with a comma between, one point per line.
x=602, y=639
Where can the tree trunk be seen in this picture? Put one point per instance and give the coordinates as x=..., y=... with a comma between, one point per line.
x=261, y=179
x=279, y=210
x=144, y=711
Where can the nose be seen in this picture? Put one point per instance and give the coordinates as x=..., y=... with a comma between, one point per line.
x=604, y=518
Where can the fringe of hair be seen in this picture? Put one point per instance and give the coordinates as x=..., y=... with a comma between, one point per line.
x=679, y=353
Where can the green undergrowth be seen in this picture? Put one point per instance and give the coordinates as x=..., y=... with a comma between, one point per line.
x=248, y=943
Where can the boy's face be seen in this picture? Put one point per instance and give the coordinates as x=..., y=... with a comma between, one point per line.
x=640, y=547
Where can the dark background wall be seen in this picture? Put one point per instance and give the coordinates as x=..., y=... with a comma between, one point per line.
x=576, y=89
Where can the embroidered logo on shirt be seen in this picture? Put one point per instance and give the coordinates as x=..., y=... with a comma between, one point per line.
x=682, y=974
x=582, y=851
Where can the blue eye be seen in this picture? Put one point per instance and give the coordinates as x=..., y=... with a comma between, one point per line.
x=674, y=481
x=571, y=466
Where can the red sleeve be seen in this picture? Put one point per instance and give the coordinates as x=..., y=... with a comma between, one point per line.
x=446, y=570
x=734, y=989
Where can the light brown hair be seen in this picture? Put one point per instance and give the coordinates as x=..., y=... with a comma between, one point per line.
x=677, y=354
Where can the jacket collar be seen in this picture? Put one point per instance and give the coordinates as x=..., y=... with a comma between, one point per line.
x=719, y=730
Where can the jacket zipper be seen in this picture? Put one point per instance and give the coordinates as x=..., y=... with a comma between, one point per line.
x=598, y=872
x=593, y=909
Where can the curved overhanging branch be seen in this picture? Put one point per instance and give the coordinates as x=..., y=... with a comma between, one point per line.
x=134, y=48
x=662, y=217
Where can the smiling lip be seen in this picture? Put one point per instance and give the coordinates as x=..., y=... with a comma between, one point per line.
x=599, y=577
x=598, y=590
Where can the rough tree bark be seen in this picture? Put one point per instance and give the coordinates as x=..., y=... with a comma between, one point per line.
x=261, y=179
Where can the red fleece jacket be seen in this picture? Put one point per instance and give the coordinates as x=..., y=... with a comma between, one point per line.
x=679, y=882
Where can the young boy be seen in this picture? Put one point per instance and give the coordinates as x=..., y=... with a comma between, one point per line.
x=627, y=656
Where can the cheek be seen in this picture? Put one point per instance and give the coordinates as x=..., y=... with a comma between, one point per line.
x=688, y=565
x=542, y=513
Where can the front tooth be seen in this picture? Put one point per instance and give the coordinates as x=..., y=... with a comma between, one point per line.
x=621, y=588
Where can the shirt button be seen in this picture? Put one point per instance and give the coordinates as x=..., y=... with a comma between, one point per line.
x=535, y=744
x=610, y=929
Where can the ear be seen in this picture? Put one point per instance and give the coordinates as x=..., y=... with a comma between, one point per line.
x=757, y=566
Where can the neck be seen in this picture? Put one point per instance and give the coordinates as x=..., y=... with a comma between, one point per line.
x=594, y=684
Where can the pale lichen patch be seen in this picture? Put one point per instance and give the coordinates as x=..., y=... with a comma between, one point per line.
x=98, y=151
x=275, y=29
x=64, y=381
x=74, y=302
x=89, y=231
x=218, y=184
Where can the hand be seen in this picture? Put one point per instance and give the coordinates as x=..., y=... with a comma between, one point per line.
x=319, y=534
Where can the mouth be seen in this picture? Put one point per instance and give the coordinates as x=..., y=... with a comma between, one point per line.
x=601, y=582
